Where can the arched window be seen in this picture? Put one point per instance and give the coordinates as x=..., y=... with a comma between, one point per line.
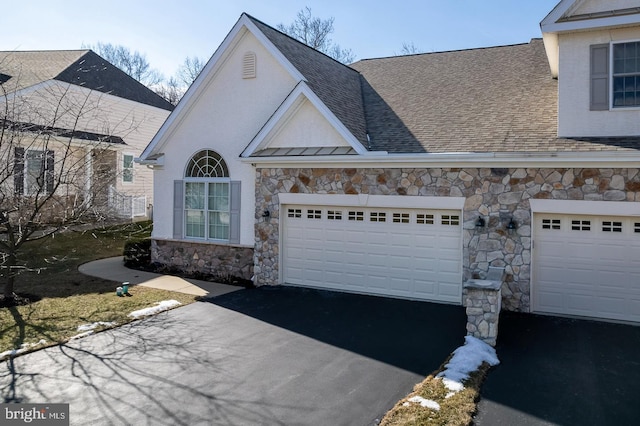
x=206, y=164
x=206, y=197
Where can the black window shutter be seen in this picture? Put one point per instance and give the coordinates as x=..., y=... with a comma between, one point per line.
x=599, y=99
x=18, y=171
x=48, y=171
x=234, y=212
x=178, y=209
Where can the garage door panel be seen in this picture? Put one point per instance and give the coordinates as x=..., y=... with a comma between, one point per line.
x=612, y=306
x=390, y=257
x=588, y=272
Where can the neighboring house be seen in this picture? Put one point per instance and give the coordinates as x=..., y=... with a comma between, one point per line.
x=72, y=115
x=406, y=176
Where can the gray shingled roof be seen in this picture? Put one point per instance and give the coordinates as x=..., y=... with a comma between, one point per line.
x=81, y=67
x=496, y=99
x=337, y=85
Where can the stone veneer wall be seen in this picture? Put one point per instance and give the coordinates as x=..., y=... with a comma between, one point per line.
x=496, y=194
x=219, y=260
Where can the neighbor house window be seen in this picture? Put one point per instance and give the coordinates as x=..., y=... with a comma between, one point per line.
x=207, y=197
x=127, y=168
x=626, y=74
x=33, y=171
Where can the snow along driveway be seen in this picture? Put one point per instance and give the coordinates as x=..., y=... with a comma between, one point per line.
x=265, y=356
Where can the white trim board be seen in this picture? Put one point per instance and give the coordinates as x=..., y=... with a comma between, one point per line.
x=366, y=200
x=604, y=208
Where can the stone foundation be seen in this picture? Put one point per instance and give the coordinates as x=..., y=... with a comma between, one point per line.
x=219, y=260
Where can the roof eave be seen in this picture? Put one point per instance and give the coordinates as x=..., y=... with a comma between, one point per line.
x=620, y=159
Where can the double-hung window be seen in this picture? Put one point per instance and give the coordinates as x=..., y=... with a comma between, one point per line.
x=33, y=171
x=127, y=168
x=207, y=197
x=626, y=74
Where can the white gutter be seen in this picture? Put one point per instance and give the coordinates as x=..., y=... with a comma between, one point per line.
x=620, y=159
x=156, y=160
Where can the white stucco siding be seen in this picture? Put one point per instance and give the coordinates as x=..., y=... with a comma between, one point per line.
x=594, y=6
x=224, y=116
x=307, y=128
x=574, y=116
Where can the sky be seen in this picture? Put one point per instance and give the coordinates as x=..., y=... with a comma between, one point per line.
x=167, y=32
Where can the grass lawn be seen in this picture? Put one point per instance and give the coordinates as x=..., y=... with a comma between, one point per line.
x=65, y=298
x=454, y=410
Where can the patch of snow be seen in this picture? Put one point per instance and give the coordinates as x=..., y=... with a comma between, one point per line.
x=466, y=359
x=81, y=335
x=23, y=348
x=424, y=402
x=94, y=325
x=160, y=306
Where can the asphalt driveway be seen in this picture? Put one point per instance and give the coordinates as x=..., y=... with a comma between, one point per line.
x=559, y=371
x=277, y=356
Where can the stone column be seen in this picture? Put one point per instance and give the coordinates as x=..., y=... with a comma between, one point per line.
x=483, y=299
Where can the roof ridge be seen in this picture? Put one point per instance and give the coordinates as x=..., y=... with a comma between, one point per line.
x=452, y=51
x=44, y=50
x=295, y=40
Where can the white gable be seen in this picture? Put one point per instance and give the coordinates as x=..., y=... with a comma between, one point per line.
x=242, y=85
x=307, y=128
x=289, y=118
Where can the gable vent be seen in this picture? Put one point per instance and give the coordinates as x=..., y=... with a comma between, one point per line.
x=249, y=65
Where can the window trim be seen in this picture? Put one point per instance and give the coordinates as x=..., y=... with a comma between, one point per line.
x=47, y=174
x=124, y=169
x=611, y=77
x=206, y=210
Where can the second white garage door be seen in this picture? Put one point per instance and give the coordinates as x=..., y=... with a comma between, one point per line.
x=587, y=266
x=406, y=253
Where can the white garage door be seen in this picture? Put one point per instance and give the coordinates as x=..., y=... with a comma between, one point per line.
x=404, y=253
x=587, y=266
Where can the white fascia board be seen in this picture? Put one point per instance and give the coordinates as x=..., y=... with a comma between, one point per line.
x=550, y=23
x=602, y=208
x=589, y=24
x=558, y=12
x=287, y=109
x=462, y=159
x=366, y=200
x=208, y=73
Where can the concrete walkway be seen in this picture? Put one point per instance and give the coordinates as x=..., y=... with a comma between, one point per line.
x=113, y=269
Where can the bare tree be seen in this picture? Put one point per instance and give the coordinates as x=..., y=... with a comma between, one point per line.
x=410, y=49
x=314, y=32
x=56, y=164
x=134, y=63
x=190, y=69
x=171, y=90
